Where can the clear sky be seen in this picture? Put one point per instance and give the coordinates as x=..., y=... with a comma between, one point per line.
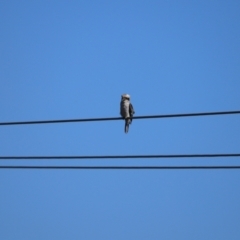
x=74, y=59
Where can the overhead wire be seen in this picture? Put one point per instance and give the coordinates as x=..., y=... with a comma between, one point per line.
x=222, y=155
x=122, y=167
x=120, y=156
x=119, y=118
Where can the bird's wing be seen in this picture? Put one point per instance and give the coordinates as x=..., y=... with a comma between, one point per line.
x=131, y=110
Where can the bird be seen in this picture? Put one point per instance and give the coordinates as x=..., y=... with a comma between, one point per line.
x=126, y=110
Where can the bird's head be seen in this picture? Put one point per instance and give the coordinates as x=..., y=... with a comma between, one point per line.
x=126, y=96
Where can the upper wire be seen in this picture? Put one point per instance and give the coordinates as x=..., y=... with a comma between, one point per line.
x=119, y=118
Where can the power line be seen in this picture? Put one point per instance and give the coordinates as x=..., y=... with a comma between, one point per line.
x=123, y=167
x=119, y=118
x=120, y=156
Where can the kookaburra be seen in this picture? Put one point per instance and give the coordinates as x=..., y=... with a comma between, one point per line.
x=126, y=110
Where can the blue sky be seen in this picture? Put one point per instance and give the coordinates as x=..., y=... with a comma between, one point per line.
x=74, y=59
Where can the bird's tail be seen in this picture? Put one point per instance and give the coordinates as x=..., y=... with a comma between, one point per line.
x=126, y=128
x=127, y=122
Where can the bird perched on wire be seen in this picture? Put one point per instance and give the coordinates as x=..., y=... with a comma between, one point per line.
x=126, y=110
